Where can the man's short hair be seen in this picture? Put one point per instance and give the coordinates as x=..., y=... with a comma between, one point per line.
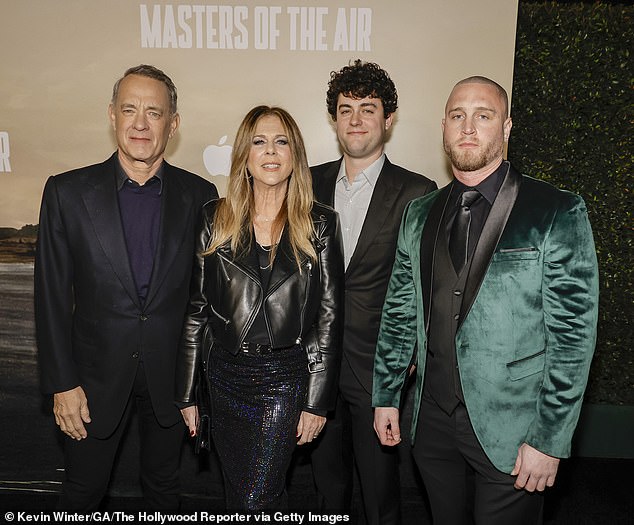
x=145, y=70
x=477, y=79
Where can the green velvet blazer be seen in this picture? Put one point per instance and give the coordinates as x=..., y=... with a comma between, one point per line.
x=528, y=332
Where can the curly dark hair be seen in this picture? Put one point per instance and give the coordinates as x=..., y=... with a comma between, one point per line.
x=359, y=80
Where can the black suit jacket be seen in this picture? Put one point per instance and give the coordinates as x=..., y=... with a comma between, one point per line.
x=368, y=272
x=91, y=328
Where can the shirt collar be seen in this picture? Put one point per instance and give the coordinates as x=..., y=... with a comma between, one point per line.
x=370, y=174
x=122, y=177
x=489, y=187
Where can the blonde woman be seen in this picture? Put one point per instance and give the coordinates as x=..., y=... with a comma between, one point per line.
x=264, y=312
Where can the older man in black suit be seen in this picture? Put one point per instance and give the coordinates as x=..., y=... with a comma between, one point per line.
x=112, y=271
x=370, y=193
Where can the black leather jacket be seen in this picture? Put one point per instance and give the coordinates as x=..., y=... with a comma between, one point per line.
x=300, y=307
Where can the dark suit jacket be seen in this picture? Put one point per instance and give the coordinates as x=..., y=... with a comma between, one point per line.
x=91, y=328
x=529, y=316
x=368, y=272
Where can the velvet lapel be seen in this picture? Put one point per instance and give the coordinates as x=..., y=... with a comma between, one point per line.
x=383, y=197
x=491, y=233
x=429, y=241
x=176, y=207
x=325, y=187
x=102, y=205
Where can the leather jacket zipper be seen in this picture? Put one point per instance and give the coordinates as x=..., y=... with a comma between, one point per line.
x=222, y=318
x=309, y=267
x=251, y=318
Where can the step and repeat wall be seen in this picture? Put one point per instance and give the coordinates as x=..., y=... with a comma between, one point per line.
x=60, y=59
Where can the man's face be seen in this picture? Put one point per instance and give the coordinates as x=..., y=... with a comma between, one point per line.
x=142, y=120
x=361, y=127
x=475, y=127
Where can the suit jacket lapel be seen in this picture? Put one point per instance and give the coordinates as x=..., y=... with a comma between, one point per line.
x=325, y=188
x=176, y=208
x=383, y=197
x=428, y=246
x=491, y=233
x=102, y=205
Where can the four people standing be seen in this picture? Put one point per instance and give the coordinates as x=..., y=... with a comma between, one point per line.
x=492, y=294
x=495, y=284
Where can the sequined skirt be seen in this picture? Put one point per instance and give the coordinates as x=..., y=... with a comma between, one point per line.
x=256, y=404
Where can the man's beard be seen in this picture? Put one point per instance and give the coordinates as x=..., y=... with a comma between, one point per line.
x=468, y=160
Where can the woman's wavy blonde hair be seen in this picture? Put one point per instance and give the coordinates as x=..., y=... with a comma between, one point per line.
x=233, y=220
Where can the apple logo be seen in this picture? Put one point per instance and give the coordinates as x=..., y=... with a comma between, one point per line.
x=217, y=159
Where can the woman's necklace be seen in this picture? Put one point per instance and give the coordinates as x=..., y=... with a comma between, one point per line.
x=266, y=231
x=268, y=250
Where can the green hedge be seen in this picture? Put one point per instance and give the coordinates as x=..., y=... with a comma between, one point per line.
x=572, y=112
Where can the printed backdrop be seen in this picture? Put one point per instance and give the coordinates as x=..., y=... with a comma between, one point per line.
x=60, y=59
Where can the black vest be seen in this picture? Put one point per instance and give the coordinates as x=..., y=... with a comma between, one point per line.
x=442, y=378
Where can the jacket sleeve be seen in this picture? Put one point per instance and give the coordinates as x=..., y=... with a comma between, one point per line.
x=54, y=301
x=323, y=378
x=570, y=303
x=397, y=334
x=191, y=344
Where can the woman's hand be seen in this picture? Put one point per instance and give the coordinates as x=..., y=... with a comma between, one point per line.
x=190, y=416
x=309, y=427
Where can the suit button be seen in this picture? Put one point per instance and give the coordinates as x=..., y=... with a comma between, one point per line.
x=456, y=317
x=135, y=355
x=457, y=292
x=144, y=317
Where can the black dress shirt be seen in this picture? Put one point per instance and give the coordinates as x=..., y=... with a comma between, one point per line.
x=140, y=209
x=480, y=209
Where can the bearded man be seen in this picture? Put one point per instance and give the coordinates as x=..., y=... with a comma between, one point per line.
x=495, y=283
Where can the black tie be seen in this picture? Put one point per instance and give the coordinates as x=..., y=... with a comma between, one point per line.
x=459, y=238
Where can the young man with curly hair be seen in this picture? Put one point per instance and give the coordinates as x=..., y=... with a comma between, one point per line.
x=370, y=193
